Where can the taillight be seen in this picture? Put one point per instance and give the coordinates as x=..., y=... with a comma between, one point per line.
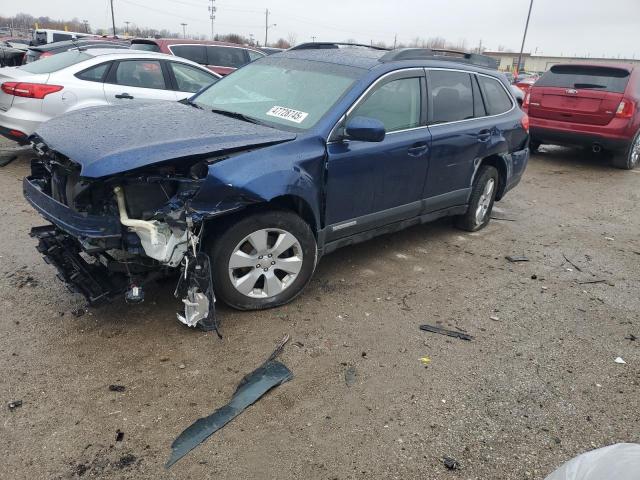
x=527, y=99
x=30, y=90
x=625, y=109
x=45, y=55
x=525, y=122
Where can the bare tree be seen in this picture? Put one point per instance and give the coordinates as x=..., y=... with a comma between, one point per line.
x=292, y=38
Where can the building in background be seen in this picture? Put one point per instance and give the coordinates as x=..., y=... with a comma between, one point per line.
x=541, y=63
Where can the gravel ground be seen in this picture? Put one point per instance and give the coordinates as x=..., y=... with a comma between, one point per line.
x=536, y=386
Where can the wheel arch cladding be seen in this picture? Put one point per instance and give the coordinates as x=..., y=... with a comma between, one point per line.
x=500, y=164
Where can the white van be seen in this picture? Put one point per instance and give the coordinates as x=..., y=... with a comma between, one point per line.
x=46, y=35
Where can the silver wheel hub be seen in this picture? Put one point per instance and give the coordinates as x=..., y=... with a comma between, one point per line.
x=485, y=201
x=265, y=263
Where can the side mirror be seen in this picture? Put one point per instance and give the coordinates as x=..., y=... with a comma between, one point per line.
x=365, y=129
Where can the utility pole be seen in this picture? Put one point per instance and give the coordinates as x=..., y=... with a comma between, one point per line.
x=126, y=29
x=313, y=38
x=267, y=27
x=212, y=14
x=184, y=30
x=395, y=41
x=86, y=25
x=524, y=37
x=113, y=20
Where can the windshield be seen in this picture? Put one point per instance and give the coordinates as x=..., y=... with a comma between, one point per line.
x=56, y=62
x=295, y=94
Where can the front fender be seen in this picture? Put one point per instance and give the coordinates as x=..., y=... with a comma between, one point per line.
x=259, y=176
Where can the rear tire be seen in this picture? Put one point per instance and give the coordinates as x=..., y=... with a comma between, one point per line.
x=629, y=158
x=534, y=146
x=483, y=194
x=263, y=260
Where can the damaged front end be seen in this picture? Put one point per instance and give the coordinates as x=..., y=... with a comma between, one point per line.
x=112, y=236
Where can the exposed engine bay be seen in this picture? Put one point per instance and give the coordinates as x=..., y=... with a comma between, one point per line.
x=114, y=235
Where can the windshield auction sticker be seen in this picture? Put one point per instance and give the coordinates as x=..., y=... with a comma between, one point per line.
x=287, y=114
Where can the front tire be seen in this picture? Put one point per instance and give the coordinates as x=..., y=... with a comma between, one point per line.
x=483, y=194
x=263, y=260
x=630, y=157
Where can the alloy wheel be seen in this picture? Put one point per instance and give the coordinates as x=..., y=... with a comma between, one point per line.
x=265, y=263
x=485, y=201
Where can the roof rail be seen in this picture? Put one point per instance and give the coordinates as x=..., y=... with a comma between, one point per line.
x=329, y=45
x=440, y=54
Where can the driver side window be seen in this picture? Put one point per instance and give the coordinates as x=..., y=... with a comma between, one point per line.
x=396, y=104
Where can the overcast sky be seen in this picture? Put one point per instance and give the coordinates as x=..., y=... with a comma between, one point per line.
x=568, y=27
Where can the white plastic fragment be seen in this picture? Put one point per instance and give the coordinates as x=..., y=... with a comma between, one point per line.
x=615, y=462
x=620, y=361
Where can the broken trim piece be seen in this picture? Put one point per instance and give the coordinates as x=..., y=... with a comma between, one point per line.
x=444, y=331
x=253, y=386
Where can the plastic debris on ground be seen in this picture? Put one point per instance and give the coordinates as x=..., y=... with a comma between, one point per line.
x=451, y=463
x=250, y=389
x=620, y=361
x=425, y=361
x=15, y=404
x=517, y=258
x=444, y=331
x=615, y=462
x=350, y=375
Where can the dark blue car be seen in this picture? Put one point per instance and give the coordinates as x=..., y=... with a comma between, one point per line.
x=246, y=185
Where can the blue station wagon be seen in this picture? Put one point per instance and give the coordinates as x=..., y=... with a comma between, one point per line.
x=243, y=187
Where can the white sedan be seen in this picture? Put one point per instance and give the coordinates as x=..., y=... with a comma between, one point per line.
x=38, y=91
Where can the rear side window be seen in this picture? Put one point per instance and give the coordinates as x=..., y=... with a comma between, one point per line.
x=496, y=99
x=190, y=79
x=56, y=62
x=140, y=73
x=59, y=37
x=195, y=53
x=451, y=96
x=396, y=104
x=226, y=56
x=581, y=77
x=147, y=47
x=94, y=74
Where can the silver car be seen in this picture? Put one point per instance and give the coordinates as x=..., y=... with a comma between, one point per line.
x=36, y=92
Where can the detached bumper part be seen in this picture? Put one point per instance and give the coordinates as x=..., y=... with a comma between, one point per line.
x=63, y=252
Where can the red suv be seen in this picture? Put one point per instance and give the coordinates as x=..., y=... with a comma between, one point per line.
x=588, y=104
x=219, y=57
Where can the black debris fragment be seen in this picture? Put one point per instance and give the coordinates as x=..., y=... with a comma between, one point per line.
x=444, y=331
x=587, y=282
x=78, y=312
x=119, y=436
x=125, y=461
x=15, y=404
x=571, y=263
x=250, y=389
x=534, y=277
x=517, y=258
x=117, y=388
x=350, y=375
x=631, y=337
x=6, y=158
x=451, y=463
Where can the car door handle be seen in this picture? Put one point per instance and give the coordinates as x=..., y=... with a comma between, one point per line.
x=418, y=149
x=124, y=95
x=484, y=135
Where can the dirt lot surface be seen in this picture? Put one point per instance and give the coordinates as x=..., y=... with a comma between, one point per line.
x=536, y=386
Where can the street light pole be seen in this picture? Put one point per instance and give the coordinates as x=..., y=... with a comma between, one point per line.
x=126, y=30
x=212, y=15
x=524, y=37
x=184, y=30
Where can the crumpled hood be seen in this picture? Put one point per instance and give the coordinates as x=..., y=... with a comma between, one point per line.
x=110, y=140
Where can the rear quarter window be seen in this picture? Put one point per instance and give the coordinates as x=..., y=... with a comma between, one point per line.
x=581, y=77
x=94, y=74
x=195, y=53
x=226, y=56
x=496, y=99
x=56, y=62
